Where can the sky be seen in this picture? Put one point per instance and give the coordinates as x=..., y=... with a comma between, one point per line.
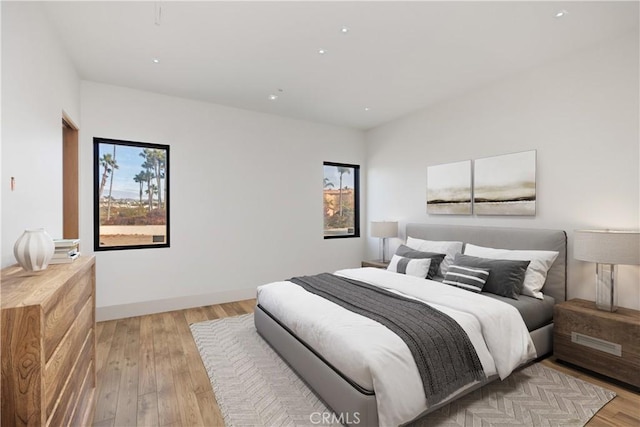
x=130, y=164
x=331, y=172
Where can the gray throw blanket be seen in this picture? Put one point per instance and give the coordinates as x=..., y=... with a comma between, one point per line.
x=442, y=350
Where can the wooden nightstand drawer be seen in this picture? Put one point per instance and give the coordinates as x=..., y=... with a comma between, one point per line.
x=375, y=263
x=607, y=343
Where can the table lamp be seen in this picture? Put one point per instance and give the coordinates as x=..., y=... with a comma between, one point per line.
x=607, y=248
x=383, y=230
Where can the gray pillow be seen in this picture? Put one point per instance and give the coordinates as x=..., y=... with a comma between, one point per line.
x=506, y=277
x=436, y=259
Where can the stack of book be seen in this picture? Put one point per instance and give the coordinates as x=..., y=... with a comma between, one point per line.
x=66, y=251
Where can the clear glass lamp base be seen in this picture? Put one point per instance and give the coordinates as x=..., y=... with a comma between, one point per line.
x=383, y=252
x=606, y=295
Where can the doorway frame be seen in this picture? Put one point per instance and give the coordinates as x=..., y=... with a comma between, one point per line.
x=70, y=179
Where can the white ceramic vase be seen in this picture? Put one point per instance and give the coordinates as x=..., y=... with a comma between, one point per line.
x=33, y=249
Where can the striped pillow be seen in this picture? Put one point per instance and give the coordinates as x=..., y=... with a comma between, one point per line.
x=469, y=278
x=436, y=258
x=410, y=266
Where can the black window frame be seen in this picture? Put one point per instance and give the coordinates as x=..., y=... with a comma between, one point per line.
x=96, y=197
x=356, y=202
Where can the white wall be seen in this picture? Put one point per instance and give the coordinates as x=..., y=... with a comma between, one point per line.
x=580, y=114
x=246, y=200
x=233, y=226
x=38, y=83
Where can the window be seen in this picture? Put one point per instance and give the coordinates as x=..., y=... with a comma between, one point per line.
x=341, y=200
x=131, y=195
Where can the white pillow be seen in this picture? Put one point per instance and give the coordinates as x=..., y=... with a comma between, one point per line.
x=418, y=267
x=536, y=273
x=450, y=249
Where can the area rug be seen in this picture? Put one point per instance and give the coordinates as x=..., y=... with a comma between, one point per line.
x=255, y=387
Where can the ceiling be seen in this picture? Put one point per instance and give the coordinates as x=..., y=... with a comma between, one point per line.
x=395, y=58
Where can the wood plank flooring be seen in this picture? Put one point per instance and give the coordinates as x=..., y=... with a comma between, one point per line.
x=150, y=374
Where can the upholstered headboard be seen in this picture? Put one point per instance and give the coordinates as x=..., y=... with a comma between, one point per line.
x=507, y=238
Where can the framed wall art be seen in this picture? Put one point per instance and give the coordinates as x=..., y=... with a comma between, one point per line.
x=449, y=189
x=505, y=185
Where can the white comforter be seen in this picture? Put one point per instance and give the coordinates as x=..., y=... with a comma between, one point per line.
x=376, y=358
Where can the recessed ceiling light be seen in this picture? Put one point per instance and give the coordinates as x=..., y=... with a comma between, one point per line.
x=156, y=60
x=367, y=108
x=322, y=51
x=344, y=30
x=561, y=13
x=273, y=97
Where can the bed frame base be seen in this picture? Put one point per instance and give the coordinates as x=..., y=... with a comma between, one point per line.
x=345, y=401
x=543, y=340
x=348, y=403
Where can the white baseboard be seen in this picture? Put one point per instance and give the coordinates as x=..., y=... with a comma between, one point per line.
x=122, y=311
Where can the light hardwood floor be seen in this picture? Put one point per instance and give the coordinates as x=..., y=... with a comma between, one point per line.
x=150, y=374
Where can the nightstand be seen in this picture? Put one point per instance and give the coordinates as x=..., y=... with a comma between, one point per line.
x=375, y=263
x=603, y=342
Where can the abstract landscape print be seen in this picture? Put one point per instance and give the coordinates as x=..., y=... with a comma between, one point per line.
x=505, y=185
x=449, y=188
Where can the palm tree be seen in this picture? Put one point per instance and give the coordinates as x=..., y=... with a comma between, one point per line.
x=114, y=166
x=327, y=183
x=156, y=161
x=140, y=179
x=148, y=176
x=151, y=190
x=106, y=161
x=342, y=171
x=159, y=163
x=151, y=170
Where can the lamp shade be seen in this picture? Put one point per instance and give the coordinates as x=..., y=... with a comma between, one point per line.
x=607, y=246
x=384, y=229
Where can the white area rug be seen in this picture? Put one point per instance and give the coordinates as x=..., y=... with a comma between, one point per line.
x=255, y=387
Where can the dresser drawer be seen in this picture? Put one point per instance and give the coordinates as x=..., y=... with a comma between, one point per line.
x=64, y=310
x=59, y=367
x=82, y=415
x=75, y=390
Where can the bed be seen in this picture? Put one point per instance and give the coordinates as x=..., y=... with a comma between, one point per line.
x=358, y=400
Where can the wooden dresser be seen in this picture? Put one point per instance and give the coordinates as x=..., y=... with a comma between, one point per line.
x=48, y=345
